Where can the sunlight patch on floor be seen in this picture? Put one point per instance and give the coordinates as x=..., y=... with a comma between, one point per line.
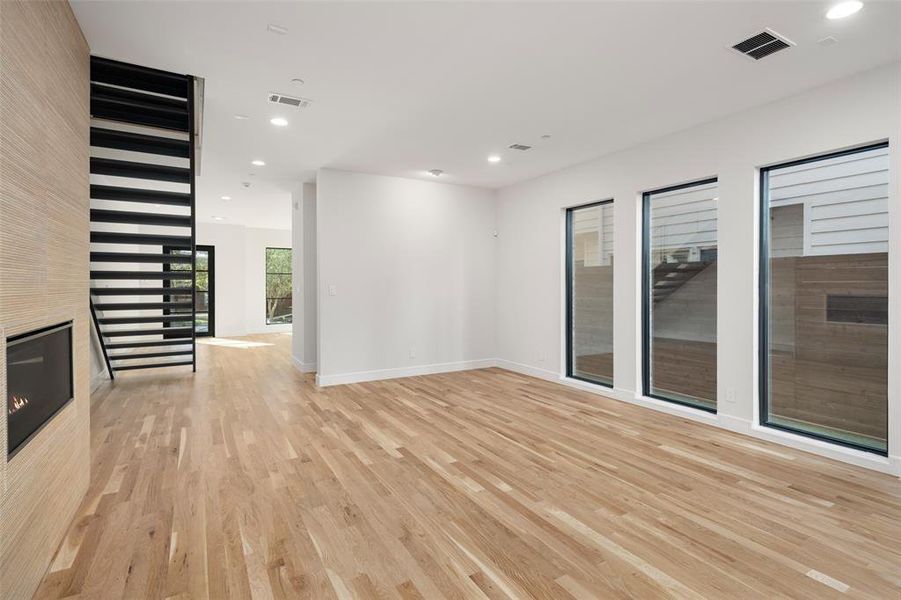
x=243, y=344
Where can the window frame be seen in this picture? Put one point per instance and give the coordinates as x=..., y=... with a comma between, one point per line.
x=266, y=274
x=211, y=293
x=763, y=342
x=646, y=292
x=570, y=373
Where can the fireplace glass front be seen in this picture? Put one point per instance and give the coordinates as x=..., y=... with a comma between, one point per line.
x=38, y=381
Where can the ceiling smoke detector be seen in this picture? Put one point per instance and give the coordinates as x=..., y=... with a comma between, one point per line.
x=436, y=172
x=763, y=44
x=522, y=147
x=292, y=101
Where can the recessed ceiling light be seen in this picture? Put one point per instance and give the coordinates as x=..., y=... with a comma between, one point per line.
x=546, y=136
x=279, y=121
x=258, y=163
x=276, y=29
x=494, y=158
x=298, y=81
x=242, y=117
x=226, y=197
x=436, y=172
x=217, y=218
x=844, y=9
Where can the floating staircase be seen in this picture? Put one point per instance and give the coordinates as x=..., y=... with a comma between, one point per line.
x=143, y=215
x=670, y=276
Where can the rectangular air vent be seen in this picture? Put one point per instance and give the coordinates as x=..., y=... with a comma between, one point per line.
x=277, y=98
x=519, y=147
x=763, y=44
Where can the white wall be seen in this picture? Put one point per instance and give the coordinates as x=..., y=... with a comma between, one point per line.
x=305, y=340
x=240, y=275
x=412, y=265
x=854, y=111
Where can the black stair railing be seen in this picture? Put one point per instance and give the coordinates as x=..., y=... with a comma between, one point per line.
x=143, y=225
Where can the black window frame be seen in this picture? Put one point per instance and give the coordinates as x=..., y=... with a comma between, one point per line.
x=763, y=344
x=646, y=293
x=570, y=373
x=211, y=293
x=266, y=274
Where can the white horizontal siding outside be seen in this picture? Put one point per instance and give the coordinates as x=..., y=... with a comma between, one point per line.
x=845, y=201
x=684, y=218
x=595, y=225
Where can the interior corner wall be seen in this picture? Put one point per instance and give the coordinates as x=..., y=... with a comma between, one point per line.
x=240, y=276
x=303, y=236
x=406, y=275
x=854, y=111
x=44, y=211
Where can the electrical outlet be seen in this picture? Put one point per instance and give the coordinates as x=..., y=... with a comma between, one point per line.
x=332, y=290
x=542, y=356
x=412, y=352
x=730, y=395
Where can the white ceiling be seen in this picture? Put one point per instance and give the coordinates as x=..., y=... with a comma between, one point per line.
x=400, y=88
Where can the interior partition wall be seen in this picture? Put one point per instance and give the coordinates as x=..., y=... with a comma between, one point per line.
x=589, y=292
x=824, y=297
x=679, y=294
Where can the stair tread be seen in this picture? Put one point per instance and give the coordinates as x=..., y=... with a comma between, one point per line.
x=116, y=306
x=186, y=363
x=126, y=194
x=141, y=291
x=149, y=343
x=152, y=101
x=99, y=215
x=145, y=319
x=138, y=170
x=105, y=70
x=148, y=239
x=144, y=355
x=140, y=257
x=140, y=332
x=139, y=142
x=181, y=274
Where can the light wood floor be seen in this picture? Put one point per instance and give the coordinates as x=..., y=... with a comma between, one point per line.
x=246, y=481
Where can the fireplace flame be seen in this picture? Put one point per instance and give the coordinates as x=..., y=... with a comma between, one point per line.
x=17, y=403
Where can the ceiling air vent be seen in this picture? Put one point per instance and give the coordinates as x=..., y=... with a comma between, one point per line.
x=763, y=44
x=294, y=101
x=519, y=147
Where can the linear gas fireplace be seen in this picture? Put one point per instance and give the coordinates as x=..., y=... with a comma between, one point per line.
x=38, y=381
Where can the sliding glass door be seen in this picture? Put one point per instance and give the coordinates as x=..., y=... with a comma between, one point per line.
x=589, y=292
x=824, y=297
x=679, y=304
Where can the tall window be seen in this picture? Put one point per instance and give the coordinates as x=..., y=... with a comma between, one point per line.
x=589, y=292
x=824, y=297
x=680, y=262
x=278, y=286
x=204, y=322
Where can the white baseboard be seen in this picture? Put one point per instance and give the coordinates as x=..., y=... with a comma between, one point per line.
x=526, y=369
x=890, y=465
x=860, y=458
x=380, y=374
x=303, y=367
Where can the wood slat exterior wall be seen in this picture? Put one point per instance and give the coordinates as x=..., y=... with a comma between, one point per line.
x=832, y=374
